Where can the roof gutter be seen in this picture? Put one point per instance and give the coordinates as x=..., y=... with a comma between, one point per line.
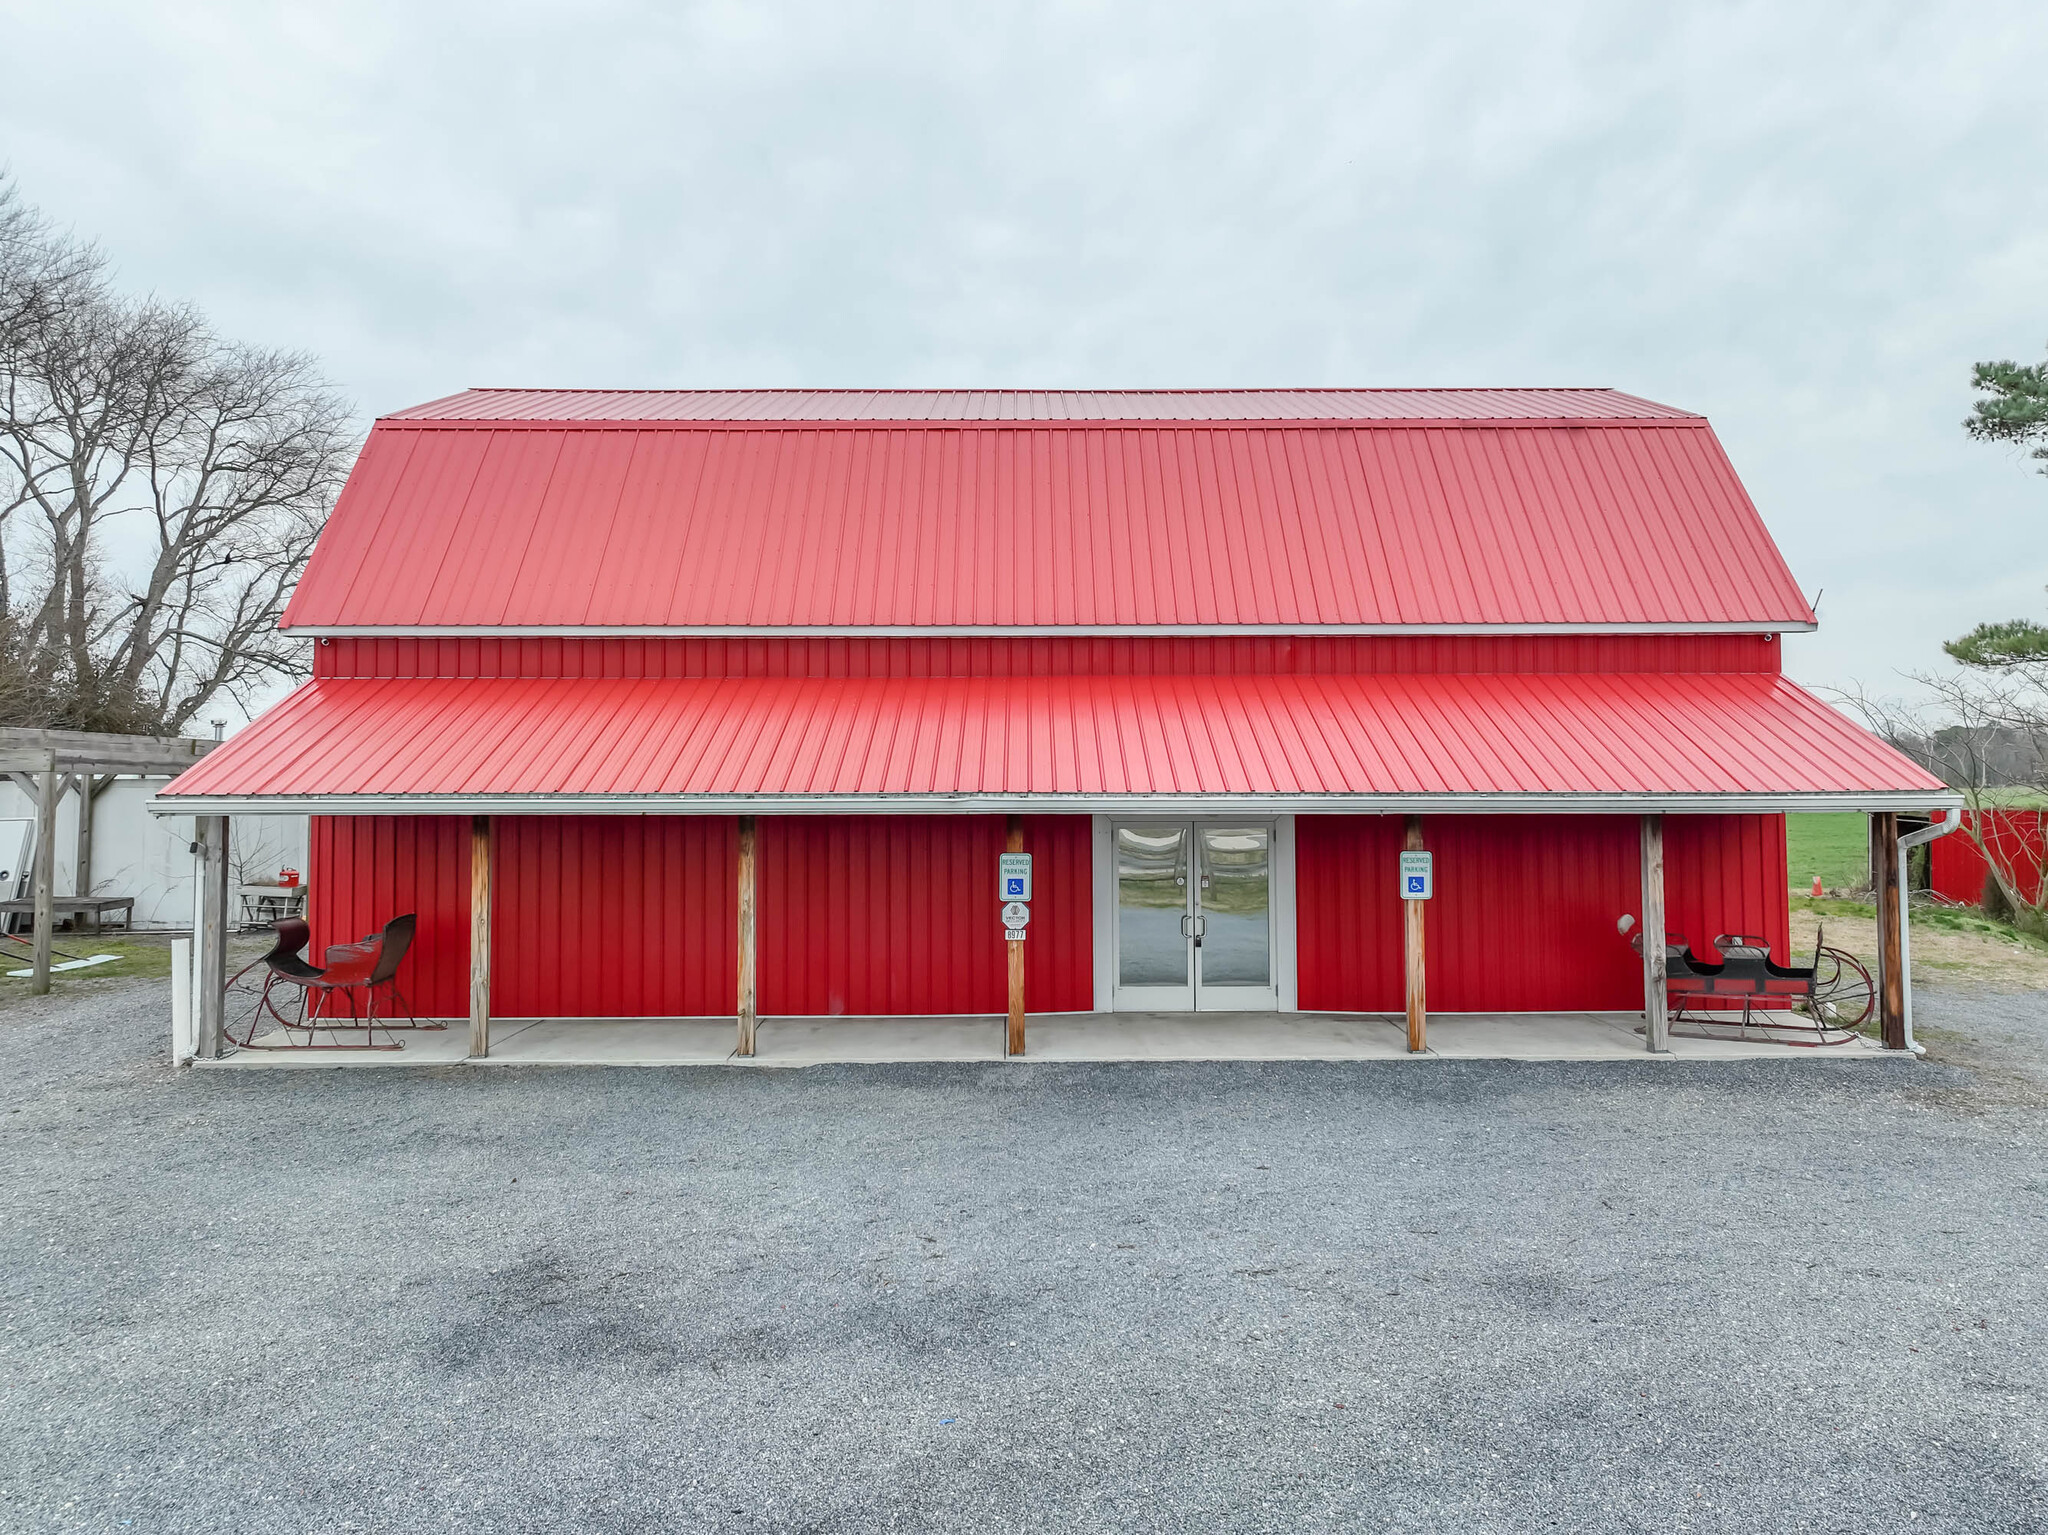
x=1951, y=818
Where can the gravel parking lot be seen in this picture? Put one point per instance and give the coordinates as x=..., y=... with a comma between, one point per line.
x=1784, y=1295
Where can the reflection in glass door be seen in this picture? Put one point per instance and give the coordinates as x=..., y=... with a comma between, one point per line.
x=1234, y=907
x=1154, y=947
x=1194, y=916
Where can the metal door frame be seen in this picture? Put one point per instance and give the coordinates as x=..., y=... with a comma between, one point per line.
x=1194, y=996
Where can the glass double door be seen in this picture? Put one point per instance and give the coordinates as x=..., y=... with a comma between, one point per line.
x=1194, y=916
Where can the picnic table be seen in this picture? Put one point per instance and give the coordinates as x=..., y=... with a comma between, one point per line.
x=266, y=901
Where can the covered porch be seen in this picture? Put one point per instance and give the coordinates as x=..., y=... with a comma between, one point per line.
x=760, y=851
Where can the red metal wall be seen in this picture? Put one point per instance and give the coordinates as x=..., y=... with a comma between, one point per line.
x=635, y=916
x=614, y=916
x=2018, y=839
x=593, y=656
x=865, y=915
x=1524, y=914
x=365, y=870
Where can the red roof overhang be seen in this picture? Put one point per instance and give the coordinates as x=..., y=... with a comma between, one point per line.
x=1625, y=741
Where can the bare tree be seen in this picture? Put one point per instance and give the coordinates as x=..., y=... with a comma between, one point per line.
x=160, y=490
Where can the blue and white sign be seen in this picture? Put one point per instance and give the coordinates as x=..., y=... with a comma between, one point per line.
x=1013, y=877
x=1418, y=876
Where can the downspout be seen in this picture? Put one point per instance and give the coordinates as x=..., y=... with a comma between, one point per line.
x=1950, y=820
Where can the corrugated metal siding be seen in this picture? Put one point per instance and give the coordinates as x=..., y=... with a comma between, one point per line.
x=1726, y=874
x=1525, y=909
x=1566, y=733
x=365, y=870
x=1083, y=527
x=870, y=915
x=614, y=916
x=479, y=656
x=1037, y=405
x=1524, y=917
x=1347, y=915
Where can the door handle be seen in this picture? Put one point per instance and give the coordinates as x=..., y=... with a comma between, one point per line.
x=1201, y=927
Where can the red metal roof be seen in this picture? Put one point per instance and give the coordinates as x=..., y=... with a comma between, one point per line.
x=1346, y=741
x=1048, y=405
x=1047, y=527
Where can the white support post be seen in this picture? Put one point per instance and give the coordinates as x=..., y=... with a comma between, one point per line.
x=182, y=1043
x=211, y=935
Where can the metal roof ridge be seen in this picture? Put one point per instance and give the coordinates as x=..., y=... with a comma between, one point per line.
x=1030, y=424
x=1024, y=389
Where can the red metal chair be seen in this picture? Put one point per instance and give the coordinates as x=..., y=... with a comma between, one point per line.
x=369, y=965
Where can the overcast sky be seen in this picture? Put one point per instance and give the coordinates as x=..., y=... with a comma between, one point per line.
x=1806, y=221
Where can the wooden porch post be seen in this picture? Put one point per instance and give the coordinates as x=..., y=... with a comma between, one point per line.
x=90, y=787
x=1656, y=1017
x=212, y=933
x=1413, y=952
x=1884, y=876
x=1013, y=1037
x=746, y=1001
x=48, y=787
x=479, y=936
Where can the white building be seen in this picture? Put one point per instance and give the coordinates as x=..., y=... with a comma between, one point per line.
x=141, y=855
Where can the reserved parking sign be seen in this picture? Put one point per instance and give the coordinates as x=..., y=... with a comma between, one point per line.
x=1418, y=874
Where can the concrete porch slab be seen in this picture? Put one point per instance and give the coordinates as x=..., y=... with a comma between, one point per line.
x=610, y=1042
x=420, y=1047
x=792, y=1042
x=1214, y=1037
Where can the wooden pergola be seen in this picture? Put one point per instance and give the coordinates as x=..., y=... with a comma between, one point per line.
x=45, y=764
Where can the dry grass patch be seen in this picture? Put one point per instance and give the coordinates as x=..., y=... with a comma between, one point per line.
x=1957, y=948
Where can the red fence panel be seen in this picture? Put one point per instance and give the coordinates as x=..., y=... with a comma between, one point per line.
x=879, y=915
x=614, y=916
x=365, y=870
x=2018, y=839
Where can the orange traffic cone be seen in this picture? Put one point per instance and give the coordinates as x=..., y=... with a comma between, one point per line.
x=1816, y=885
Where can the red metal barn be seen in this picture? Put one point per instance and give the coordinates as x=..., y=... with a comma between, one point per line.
x=742, y=695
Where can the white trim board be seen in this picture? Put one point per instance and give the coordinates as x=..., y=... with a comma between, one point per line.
x=1103, y=885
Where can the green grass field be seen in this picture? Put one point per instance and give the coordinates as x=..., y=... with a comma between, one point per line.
x=1834, y=846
